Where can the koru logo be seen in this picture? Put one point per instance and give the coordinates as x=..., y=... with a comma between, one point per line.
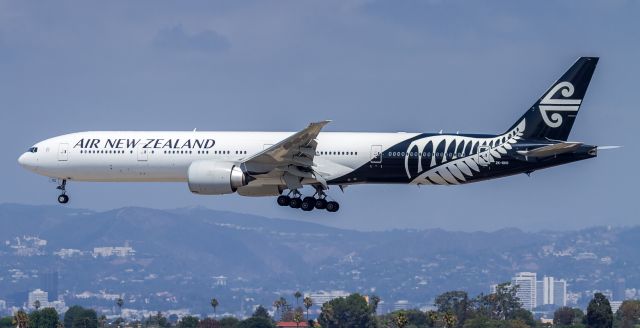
x=558, y=105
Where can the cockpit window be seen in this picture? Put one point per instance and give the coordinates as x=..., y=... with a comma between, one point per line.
x=33, y=149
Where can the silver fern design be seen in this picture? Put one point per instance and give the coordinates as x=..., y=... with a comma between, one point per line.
x=468, y=157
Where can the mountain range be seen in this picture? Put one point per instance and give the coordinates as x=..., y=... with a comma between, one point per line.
x=181, y=258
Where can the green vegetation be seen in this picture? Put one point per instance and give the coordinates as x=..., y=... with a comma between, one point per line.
x=454, y=309
x=599, y=313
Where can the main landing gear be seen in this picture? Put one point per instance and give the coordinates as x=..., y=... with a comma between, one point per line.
x=319, y=201
x=63, y=198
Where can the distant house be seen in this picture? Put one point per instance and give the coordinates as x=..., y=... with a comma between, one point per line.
x=291, y=324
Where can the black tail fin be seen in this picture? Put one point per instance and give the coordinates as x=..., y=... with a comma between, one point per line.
x=552, y=116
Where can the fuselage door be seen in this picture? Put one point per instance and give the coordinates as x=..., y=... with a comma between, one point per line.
x=63, y=152
x=376, y=154
x=484, y=155
x=143, y=155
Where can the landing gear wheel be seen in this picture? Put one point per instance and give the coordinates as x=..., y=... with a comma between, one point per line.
x=333, y=206
x=63, y=199
x=284, y=200
x=295, y=203
x=308, y=204
x=321, y=203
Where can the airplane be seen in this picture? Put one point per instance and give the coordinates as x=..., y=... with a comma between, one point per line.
x=282, y=163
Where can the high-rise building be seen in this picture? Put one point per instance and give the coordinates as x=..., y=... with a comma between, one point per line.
x=40, y=296
x=551, y=291
x=619, y=289
x=560, y=292
x=526, y=282
x=49, y=283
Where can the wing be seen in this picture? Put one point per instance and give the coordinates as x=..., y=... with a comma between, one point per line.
x=550, y=150
x=290, y=159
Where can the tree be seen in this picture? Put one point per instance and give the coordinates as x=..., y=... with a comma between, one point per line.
x=188, y=322
x=456, y=303
x=277, y=304
x=46, y=318
x=6, y=322
x=629, y=313
x=71, y=314
x=297, y=318
x=256, y=322
x=87, y=319
x=79, y=317
x=34, y=319
x=261, y=312
x=21, y=319
x=500, y=305
x=308, y=303
x=297, y=295
x=400, y=319
x=564, y=316
x=214, y=305
x=374, y=300
x=36, y=304
x=352, y=311
x=228, y=322
x=599, y=313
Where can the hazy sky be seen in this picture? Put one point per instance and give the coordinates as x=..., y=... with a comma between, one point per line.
x=418, y=66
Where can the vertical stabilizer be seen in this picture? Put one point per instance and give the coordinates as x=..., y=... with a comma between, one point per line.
x=552, y=116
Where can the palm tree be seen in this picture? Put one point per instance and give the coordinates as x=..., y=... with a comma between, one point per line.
x=277, y=304
x=283, y=306
x=120, y=303
x=297, y=295
x=36, y=304
x=308, y=302
x=214, y=304
x=21, y=319
x=400, y=319
x=297, y=318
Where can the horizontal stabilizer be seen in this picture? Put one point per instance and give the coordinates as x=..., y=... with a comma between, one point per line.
x=608, y=147
x=551, y=150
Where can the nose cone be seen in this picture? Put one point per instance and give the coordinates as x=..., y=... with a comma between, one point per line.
x=22, y=160
x=28, y=161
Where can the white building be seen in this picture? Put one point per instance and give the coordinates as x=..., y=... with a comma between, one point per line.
x=38, y=295
x=615, y=305
x=401, y=305
x=551, y=291
x=526, y=282
x=321, y=297
x=220, y=281
x=3, y=305
x=120, y=251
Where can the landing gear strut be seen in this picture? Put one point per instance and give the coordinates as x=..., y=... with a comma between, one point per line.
x=63, y=198
x=319, y=201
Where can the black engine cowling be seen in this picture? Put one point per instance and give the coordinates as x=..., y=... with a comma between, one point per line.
x=215, y=177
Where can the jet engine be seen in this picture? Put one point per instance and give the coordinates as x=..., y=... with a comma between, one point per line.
x=215, y=177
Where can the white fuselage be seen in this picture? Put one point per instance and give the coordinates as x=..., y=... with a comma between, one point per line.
x=166, y=156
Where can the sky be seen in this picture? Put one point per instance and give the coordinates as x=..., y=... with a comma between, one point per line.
x=415, y=66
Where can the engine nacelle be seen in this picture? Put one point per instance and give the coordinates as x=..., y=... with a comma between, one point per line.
x=215, y=177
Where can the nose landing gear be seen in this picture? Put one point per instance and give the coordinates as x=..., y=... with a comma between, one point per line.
x=63, y=198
